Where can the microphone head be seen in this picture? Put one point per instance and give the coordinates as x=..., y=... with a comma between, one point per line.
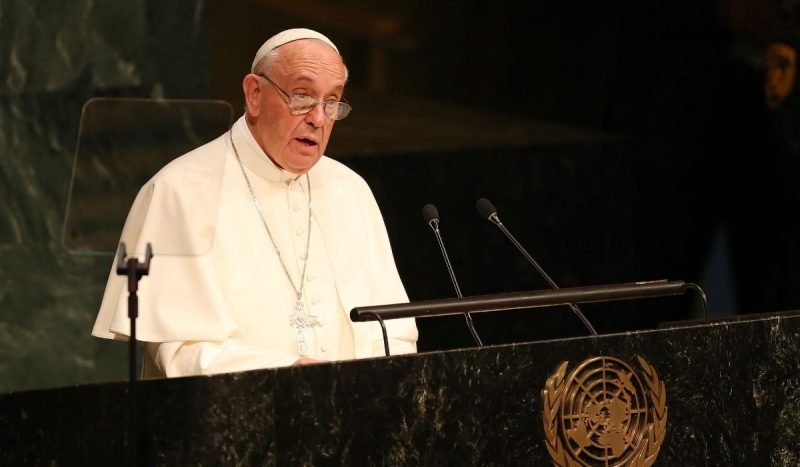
x=486, y=209
x=430, y=213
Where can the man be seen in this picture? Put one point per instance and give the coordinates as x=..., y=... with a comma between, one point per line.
x=270, y=242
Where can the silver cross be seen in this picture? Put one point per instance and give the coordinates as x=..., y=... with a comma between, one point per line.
x=301, y=321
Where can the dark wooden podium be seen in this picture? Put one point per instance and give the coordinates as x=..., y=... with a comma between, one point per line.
x=732, y=395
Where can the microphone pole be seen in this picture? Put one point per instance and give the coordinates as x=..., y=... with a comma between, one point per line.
x=488, y=211
x=431, y=215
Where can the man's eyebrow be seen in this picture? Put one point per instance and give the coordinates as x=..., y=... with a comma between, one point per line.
x=305, y=78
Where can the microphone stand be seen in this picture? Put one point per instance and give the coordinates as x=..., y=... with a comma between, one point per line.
x=496, y=220
x=431, y=215
x=488, y=211
x=470, y=324
x=131, y=267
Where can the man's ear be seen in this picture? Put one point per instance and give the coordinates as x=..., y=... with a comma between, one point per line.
x=252, y=94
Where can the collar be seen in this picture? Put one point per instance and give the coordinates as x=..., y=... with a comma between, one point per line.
x=255, y=159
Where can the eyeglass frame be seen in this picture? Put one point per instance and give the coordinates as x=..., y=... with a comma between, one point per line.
x=342, y=104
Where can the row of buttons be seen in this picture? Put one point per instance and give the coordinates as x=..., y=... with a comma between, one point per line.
x=296, y=207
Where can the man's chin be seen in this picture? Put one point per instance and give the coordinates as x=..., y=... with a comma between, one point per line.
x=302, y=163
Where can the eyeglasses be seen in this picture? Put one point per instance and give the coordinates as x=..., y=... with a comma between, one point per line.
x=301, y=104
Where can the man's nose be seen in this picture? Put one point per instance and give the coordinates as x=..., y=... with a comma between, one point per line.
x=316, y=117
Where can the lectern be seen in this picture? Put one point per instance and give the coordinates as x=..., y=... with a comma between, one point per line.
x=725, y=393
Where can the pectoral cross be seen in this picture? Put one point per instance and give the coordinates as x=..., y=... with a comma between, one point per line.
x=301, y=322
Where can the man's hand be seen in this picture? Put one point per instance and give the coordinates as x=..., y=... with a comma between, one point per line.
x=308, y=361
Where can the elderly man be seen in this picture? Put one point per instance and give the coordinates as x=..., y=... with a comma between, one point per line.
x=278, y=241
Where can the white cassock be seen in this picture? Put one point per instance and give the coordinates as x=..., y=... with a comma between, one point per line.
x=217, y=299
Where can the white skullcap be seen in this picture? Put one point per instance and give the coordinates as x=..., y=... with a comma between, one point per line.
x=285, y=37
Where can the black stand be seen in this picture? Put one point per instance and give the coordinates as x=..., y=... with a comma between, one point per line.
x=520, y=300
x=134, y=269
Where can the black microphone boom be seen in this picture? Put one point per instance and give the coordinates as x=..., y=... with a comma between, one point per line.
x=488, y=211
x=431, y=215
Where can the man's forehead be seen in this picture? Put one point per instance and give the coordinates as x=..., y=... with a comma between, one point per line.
x=305, y=60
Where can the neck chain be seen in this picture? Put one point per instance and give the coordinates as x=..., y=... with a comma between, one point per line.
x=300, y=320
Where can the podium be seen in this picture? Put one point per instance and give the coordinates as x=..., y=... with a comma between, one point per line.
x=731, y=396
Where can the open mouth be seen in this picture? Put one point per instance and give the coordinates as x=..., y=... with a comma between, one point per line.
x=306, y=142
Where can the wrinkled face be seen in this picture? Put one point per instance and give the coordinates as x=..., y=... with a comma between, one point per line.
x=295, y=142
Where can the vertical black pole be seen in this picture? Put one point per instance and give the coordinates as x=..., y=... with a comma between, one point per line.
x=133, y=312
x=134, y=270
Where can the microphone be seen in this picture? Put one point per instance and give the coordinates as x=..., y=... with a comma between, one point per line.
x=488, y=211
x=431, y=215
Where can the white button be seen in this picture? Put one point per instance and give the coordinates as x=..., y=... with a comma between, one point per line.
x=310, y=277
x=300, y=232
x=302, y=255
x=315, y=301
x=295, y=207
x=323, y=348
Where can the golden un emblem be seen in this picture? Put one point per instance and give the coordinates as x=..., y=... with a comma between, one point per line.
x=604, y=413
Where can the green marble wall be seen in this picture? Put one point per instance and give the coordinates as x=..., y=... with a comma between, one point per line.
x=54, y=56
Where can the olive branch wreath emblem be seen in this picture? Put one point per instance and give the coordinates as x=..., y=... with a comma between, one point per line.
x=644, y=453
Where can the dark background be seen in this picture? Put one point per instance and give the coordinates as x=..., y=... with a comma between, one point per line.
x=620, y=141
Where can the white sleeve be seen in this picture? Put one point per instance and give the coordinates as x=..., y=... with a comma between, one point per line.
x=206, y=358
